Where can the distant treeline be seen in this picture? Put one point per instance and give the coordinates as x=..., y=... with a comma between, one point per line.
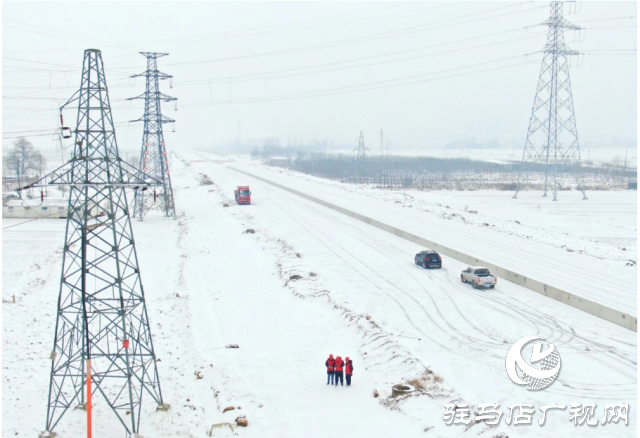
x=447, y=173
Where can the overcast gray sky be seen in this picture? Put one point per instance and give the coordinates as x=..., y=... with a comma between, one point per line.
x=252, y=64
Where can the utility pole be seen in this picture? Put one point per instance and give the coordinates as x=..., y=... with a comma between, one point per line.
x=381, y=144
x=102, y=332
x=552, y=137
x=154, y=160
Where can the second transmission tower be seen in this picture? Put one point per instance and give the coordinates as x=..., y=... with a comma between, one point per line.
x=552, y=138
x=153, y=157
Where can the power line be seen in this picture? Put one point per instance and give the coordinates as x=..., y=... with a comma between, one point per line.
x=20, y=76
x=56, y=71
x=31, y=220
x=608, y=19
x=611, y=27
x=371, y=37
x=609, y=54
x=31, y=135
x=35, y=68
x=45, y=112
x=48, y=111
x=375, y=56
x=45, y=98
x=226, y=79
x=385, y=62
x=83, y=37
x=38, y=88
x=234, y=78
x=343, y=90
x=38, y=62
x=32, y=130
x=368, y=86
x=612, y=50
x=222, y=35
x=17, y=116
x=46, y=34
x=43, y=91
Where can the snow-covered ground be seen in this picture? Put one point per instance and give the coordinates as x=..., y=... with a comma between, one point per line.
x=209, y=283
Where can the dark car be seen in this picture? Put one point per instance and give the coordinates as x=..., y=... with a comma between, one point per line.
x=428, y=259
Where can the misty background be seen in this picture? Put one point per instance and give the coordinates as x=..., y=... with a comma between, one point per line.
x=432, y=75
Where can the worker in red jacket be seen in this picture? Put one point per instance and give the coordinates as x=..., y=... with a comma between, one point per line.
x=331, y=368
x=348, y=369
x=339, y=370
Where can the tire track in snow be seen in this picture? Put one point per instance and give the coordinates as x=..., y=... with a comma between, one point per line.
x=381, y=248
x=482, y=352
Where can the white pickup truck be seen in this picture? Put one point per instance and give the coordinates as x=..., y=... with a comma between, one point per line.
x=478, y=276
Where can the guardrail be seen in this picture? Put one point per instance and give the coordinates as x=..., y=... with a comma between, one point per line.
x=622, y=319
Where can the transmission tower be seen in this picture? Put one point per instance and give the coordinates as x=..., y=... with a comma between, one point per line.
x=381, y=143
x=552, y=138
x=153, y=157
x=361, y=150
x=102, y=335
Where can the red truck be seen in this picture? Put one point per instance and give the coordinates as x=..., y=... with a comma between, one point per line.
x=243, y=195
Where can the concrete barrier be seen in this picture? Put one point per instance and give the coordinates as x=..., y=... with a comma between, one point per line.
x=622, y=319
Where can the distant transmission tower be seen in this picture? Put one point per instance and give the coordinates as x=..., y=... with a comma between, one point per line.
x=153, y=157
x=381, y=143
x=102, y=334
x=552, y=138
x=361, y=149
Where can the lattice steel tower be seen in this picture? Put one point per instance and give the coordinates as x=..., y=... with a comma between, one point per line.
x=153, y=157
x=361, y=149
x=552, y=139
x=102, y=335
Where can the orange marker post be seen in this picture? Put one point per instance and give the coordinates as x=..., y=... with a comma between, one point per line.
x=88, y=398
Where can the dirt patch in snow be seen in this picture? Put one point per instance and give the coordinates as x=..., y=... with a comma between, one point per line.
x=204, y=180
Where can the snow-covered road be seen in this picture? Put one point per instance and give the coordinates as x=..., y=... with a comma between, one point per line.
x=593, y=271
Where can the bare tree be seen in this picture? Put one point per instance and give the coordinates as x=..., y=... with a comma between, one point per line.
x=22, y=159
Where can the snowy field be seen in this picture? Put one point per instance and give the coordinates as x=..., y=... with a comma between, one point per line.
x=209, y=284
